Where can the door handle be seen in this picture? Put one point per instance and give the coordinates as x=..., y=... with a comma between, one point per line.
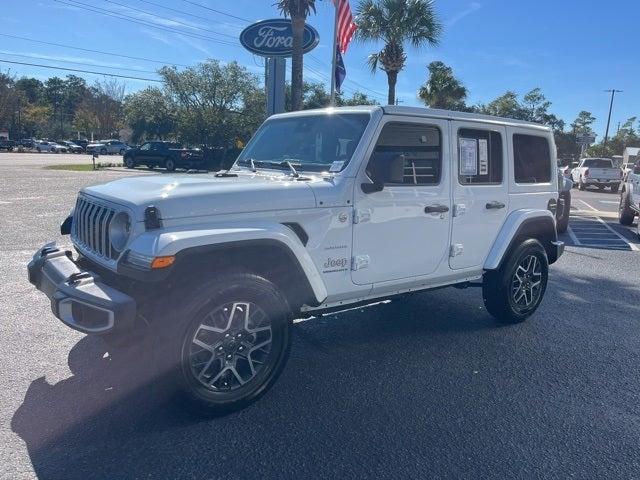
x=436, y=209
x=494, y=205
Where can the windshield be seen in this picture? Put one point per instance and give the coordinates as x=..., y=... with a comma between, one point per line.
x=598, y=163
x=319, y=143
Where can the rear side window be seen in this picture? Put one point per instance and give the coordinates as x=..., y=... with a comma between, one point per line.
x=421, y=147
x=598, y=163
x=532, y=159
x=479, y=157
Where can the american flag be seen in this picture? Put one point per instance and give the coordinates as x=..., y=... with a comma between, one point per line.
x=346, y=27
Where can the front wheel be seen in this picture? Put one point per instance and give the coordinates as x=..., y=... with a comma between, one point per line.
x=129, y=163
x=233, y=345
x=581, y=186
x=514, y=291
x=103, y=151
x=615, y=187
x=169, y=164
x=121, y=152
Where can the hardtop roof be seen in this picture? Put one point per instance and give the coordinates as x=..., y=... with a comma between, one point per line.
x=422, y=112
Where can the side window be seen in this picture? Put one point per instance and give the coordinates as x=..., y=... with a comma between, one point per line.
x=146, y=146
x=479, y=157
x=419, y=145
x=532, y=158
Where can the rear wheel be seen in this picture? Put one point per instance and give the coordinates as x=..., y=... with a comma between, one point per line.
x=581, y=186
x=514, y=291
x=103, y=151
x=121, y=152
x=615, y=187
x=233, y=343
x=625, y=213
x=129, y=162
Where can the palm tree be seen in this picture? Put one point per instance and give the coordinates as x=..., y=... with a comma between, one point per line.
x=442, y=89
x=396, y=22
x=298, y=10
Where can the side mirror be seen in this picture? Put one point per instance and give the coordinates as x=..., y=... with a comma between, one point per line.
x=382, y=169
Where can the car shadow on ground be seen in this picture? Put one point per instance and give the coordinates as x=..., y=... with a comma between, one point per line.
x=391, y=389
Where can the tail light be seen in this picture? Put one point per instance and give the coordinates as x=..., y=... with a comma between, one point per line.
x=586, y=172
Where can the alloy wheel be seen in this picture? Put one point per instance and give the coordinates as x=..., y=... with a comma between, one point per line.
x=526, y=283
x=230, y=346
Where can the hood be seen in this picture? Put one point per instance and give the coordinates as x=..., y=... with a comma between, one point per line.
x=188, y=195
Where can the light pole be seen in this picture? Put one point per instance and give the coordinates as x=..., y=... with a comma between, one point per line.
x=606, y=134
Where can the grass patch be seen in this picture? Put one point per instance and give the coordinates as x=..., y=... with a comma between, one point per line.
x=82, y=167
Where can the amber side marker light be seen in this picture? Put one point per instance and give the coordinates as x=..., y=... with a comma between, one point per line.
x=163, y=262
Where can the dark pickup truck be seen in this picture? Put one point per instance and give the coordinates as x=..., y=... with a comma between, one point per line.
x=169, y=155
x=8, y=145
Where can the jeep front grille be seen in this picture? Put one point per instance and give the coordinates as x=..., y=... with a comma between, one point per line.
x=90, y=228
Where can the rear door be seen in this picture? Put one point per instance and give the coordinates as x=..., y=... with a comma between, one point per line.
x=480, y=190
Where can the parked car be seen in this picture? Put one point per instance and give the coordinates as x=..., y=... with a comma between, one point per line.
x=568, y=169
x=107, y=147
x=8, y=145
x=597, y=171
x=72, y=147
x=324, y=209
x=169, y=155
x=630, y=198
x=27, y=143
x=52, y=147
x=82, y=142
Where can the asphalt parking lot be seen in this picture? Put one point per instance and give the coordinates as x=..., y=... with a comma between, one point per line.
x=430, y=387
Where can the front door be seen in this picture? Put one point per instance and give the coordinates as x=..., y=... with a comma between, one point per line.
x=403, y=230
x=480, y=192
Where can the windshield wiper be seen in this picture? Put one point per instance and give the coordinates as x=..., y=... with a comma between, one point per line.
x=294, y=173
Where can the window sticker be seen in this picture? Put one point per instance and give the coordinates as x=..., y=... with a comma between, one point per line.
x=468, y=156
x=336, y=166
x=483, y=153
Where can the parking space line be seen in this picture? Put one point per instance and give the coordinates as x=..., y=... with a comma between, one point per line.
x=573, y=237
x=594, y=209
x=624, y=239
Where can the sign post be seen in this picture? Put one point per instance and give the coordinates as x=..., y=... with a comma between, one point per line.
x=273, y=39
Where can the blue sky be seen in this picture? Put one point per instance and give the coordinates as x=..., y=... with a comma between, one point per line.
x=572, y=50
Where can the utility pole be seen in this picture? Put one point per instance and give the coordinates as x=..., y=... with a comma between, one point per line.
x=606, y=134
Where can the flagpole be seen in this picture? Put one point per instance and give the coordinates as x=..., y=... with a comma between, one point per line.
x=332, y=102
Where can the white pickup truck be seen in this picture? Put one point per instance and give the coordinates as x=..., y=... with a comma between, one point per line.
x=597, y=171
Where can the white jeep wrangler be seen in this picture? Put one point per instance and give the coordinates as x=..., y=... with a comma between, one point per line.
x=322, y=210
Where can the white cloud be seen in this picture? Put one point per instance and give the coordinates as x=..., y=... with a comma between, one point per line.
x=471, y=8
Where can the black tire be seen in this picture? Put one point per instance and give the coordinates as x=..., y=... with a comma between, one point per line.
x=151, y=166
x=103, y=151
x=39, y=150
x=122, y=151
x=562, y=219
x=581, y=186
x=625, y=214
x=499, y=286
x=204, y=307
x=129, y=162
x=169, y=164
x=615, y=187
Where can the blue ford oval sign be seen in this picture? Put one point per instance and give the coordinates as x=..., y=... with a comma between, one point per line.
x=274, y=38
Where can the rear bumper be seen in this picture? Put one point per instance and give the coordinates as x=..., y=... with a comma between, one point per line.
x=79, y=298
x=601, y=181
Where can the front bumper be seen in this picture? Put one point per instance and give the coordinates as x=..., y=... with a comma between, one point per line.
x=79, y=298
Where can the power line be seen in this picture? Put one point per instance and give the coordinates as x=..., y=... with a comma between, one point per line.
x=170, y=19
x=216, y=11
x=81, y=71
x=128, y=18
x=76, y=63
x=182, y=12
x=162, y=62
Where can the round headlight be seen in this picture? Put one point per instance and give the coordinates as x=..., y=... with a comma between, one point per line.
x=119, y=231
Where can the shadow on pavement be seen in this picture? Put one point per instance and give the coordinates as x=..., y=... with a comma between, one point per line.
x=428, y=386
